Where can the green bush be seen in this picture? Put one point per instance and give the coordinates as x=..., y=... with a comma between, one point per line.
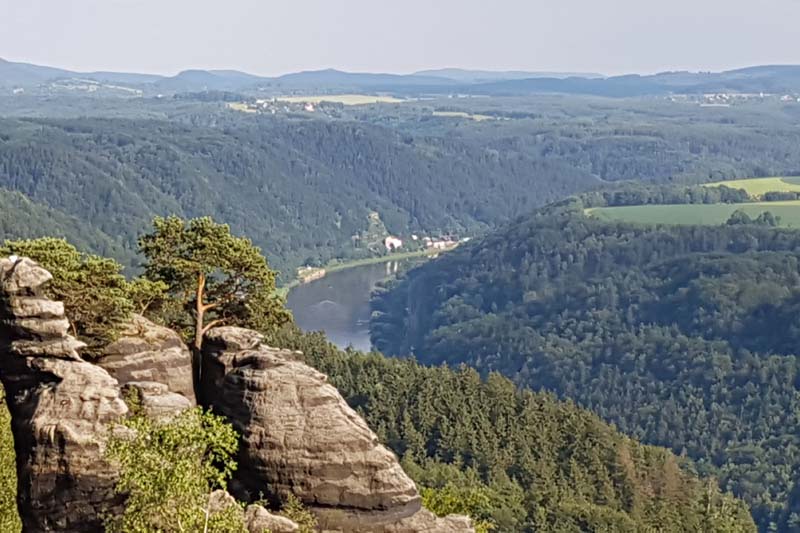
x=95, y=293
x=168, y=471
x=294, y=510
x=9, y=519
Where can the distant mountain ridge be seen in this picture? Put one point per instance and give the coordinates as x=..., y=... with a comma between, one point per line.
x=21, y=74
x=478, y=76
x=757, y=79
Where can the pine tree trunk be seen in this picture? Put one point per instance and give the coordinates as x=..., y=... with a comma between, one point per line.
x=200, y=311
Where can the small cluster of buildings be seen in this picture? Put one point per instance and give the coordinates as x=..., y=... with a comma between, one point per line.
x=393, y=244
x=728, y=99
x=444, y=243
x=274, y=106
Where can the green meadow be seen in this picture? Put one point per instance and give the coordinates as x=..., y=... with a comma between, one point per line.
x=698, y=214
x=462, y=114
x=759, y=186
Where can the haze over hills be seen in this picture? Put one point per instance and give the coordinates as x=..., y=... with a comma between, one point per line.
x=562, y=299
x=770, y=78
x=478, y=76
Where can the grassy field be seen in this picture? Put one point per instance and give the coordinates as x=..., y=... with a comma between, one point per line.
x=241, y=107
x=758, y=186
x=698, y=214
x=346, y=99
x=462, y=114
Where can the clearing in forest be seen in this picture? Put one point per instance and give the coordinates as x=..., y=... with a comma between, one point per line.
x=757, y=187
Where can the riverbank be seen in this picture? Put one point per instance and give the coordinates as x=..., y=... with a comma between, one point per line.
x=336, y=266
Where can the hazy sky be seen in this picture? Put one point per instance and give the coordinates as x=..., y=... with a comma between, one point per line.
x=274, y=37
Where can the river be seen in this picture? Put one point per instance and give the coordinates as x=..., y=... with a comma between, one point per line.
x=338, y=304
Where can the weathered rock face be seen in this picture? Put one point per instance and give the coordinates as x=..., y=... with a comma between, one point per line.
x=149, y=352
x=62, y=409
x=300, y=436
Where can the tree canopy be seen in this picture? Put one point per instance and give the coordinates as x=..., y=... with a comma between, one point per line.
x=94, y=291
x=515, y=459
x=9, y=518
x=168, y=471
x=682, y=336
x=212, y=277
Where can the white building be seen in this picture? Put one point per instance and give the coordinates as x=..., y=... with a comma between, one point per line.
x=392, y=243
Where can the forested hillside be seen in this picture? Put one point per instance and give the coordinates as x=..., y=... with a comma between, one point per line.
x=520, y=460
x=300, y=189
x=514, y=460
x=20, y=218
x=301, y=185
x=682, y=336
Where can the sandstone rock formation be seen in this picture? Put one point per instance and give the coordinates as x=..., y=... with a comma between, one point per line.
x=145, y=351
x=299, y=436
x=259, y=520
x=62, y=408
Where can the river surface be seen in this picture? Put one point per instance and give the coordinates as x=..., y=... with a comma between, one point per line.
x=338, y=304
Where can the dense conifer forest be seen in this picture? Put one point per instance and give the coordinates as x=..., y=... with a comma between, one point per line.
x=532, y=463
x=512, y=459
x=682, y=336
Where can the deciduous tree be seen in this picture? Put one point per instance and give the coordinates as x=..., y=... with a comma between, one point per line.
x=93, y=289
x=9, y=519
x=168, y=470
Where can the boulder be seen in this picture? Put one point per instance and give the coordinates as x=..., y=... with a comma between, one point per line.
x=62, y=409
x=146, y=351
x=156, y=400
x=256, y=518
x=299, y=436
x=259, y=520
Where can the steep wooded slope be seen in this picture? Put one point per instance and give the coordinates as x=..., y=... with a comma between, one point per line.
x=683, y=337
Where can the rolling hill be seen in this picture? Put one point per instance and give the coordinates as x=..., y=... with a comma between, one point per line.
x=776, y=196
x=683, y=336
x=300, y=189
x=769, y=79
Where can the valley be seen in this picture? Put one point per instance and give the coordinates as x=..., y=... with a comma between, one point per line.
x=609, y=347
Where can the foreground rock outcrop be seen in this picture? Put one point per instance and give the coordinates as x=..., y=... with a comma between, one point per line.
x=62, y=409
x=300, y=436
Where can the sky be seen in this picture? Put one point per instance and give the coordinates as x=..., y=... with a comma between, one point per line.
x=269, y=37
